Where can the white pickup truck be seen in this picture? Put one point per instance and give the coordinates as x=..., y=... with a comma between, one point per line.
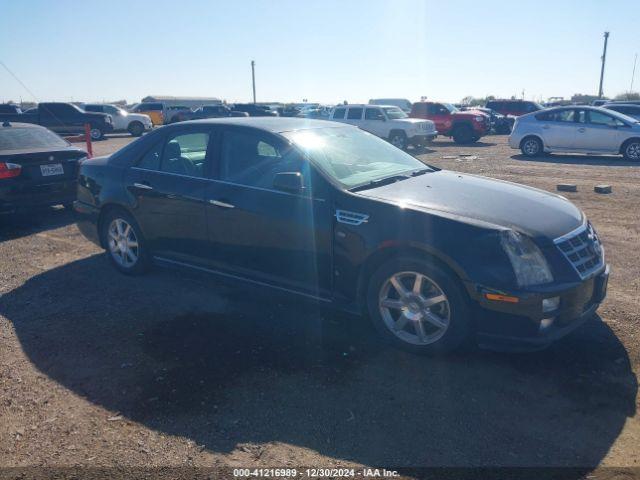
x=134, y=123
x=388, y=122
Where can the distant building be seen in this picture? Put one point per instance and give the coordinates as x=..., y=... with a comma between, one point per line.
x=186, y=101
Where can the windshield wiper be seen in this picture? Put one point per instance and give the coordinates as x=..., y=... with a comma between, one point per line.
x=422, y=171
x=379, y=182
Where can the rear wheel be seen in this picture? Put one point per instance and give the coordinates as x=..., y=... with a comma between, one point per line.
x=398, y=139
x=463, y=134
x=126, y=248
x=631, y=150
x=418, y=306
x=531, y=147
x=136, y=129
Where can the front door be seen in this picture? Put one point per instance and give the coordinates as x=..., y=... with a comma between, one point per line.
x=375, y=122
x=280, y=238
x=169, y=184
x=441, y=116
x=600, y=133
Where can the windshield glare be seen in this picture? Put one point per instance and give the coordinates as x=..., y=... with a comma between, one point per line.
x=450, y=107
x=353, y=157
x=393, y=113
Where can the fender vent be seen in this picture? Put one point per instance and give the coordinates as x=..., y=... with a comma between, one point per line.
x=351, y=218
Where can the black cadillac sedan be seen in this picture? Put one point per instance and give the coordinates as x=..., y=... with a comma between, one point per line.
x=329, y=212
x=37, y=168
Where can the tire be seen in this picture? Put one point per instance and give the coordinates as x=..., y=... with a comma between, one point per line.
x=531, y=147
x=398, y=139
x=136, y=129
x=408, y=321
x=96, y=133
x=463, y=134
x=631, y=150
x=115, y=236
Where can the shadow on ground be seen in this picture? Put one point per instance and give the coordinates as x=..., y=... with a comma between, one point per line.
x=225, y=366
x=599, y=160
x=20, y=225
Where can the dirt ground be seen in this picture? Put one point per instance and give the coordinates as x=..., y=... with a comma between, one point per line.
x=173, y=370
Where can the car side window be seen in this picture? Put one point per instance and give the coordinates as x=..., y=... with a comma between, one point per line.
x=253, y=159
x=339, y=113
x=599, y=118
x=373, y=114
x=151, y=159
x=354, y=113
x=565, y=116
x=185, y=154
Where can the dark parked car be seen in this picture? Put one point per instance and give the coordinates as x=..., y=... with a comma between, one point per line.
x=9, y=108
x=629, y=109
x=255, y=110
x=513, y=107
x=64, y=118
x=329, y=212
x=37, y=168
x=500, y=124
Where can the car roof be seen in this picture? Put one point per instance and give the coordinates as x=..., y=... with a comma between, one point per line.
x=606, y=105
x=270, y=124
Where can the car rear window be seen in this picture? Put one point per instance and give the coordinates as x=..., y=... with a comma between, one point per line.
x=14, y=138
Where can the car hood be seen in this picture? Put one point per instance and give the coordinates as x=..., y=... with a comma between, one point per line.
x=411, y=121
x=503, y=204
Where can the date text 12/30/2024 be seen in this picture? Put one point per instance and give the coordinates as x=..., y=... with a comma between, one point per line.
x=314, y=473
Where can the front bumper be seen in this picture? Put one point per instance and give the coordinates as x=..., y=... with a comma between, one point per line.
x=520, y=327
x=423, y=138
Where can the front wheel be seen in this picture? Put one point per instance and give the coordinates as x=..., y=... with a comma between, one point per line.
x=96, y=133
x=136, y=129
x=398, y=139
x=418, y=306
x=125, y=244
x=464, y=134
x=631, y=150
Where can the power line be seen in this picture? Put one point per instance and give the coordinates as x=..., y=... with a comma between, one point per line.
x=19, y=81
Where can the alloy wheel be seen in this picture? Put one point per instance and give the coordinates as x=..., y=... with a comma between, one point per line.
x=531, y=147
x=123, y=243
x=397, y=141
x=95, y=134
x=414, y=308
x=633, y=151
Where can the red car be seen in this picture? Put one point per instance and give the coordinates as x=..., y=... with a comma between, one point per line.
x=464, y=127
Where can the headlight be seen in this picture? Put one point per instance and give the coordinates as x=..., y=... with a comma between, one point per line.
x=529, y=265
x=479, y=119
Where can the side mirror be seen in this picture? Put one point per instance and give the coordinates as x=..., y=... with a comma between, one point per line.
x=291, y=182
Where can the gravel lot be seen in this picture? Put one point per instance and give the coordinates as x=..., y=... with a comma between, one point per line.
x=170, y=369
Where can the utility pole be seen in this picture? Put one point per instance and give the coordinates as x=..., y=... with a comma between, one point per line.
x=253, y=79
x=604, y=59
x=633, y=75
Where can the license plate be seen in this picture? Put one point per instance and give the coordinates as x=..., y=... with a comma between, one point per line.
x=52, y=169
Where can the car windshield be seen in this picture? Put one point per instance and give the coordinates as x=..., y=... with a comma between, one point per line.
x=353, y=157
x=16, y=138
x=393, y=113
x=450, y=107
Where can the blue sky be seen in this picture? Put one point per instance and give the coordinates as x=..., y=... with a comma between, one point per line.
x=325, y=51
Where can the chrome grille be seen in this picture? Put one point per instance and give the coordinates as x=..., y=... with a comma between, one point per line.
x=583, y=249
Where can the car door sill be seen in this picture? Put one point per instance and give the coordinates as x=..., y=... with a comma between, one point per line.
x=237, y=277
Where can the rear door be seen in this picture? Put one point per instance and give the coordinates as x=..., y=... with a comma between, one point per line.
x=354, y=116
x=559, y=128
x=169, y=183
x=256, y=231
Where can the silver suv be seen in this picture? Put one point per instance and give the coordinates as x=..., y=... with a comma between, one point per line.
x=577, y=129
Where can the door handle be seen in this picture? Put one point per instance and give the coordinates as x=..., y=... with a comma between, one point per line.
x=221, y=204
x=143, y=186
x=581, y=129
x=546, y=127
